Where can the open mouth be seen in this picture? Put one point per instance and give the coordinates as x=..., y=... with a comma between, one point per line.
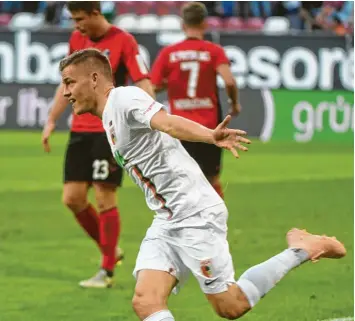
x=72, y=101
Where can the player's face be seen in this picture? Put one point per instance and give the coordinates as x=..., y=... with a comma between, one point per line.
x=84, y=22
x=79, y=88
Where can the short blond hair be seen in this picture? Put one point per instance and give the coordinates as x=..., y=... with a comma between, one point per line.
x=194, y=13
x=92, y=57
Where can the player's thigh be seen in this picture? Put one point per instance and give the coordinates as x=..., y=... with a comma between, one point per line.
x=191, y=148
x=157, y=254
x=77, y=163
x=104, y=168
x=210, y=157
x=207, y=156
x=204, y=249
x=152, y=290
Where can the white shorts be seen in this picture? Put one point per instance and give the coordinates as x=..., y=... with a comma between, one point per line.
x=196, y=244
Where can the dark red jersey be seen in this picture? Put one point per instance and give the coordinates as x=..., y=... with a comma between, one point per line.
x=189, y=69
x=122, y=50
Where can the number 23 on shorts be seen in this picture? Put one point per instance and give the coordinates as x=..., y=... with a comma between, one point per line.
x=100, y=169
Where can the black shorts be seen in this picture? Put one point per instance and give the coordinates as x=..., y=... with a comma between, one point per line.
x=89, y=159
x=208, y=156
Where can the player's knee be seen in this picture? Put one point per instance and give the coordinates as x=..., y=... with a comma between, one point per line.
x=76, y=203
x=145, y=303
x=231, y=312
x=230, y=305
x=106, y=197
x=102, y=206
x=105, y=205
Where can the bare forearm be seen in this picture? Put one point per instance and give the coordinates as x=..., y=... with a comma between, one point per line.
x=230, y=83
x=59, y=105
x=187, y=130
x=232, y=92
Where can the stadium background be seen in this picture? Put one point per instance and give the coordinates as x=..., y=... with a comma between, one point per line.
x=296, y=90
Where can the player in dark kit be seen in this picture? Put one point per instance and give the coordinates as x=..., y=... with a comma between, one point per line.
x=88, y=160
x=188, y=70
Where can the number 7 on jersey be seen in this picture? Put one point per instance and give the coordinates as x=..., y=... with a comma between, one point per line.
x=194, y=68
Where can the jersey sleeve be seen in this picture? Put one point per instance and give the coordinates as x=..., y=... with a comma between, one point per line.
x=158, y=73
x=133, y=60
x=220, y=57
x=139, y=108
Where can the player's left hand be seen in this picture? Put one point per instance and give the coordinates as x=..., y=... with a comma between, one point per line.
x=230, y=139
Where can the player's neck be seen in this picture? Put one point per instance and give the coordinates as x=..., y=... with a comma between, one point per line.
x=101, y=29
x=194, y=34
x=101, y=102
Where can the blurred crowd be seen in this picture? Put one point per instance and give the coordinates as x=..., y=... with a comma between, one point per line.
x=334, y=16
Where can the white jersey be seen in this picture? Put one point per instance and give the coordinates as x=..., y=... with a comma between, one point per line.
x=173, y=183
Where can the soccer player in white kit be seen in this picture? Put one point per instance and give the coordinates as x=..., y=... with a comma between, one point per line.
x=189, y=230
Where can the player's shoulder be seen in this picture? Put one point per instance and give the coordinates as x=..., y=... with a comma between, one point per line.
x=212, y=45
x=76, y=36
x=118, y=100
x=186, y=45
x=120, y=33
x=167, y=50
x=177, y=45
x=126, y=94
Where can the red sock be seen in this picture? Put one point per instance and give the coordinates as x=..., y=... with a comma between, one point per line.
x=109, y=234
x=218, y=189
x=89, y=221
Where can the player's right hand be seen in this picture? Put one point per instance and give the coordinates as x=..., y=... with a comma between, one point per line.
x=46, y=133
x=230, y=139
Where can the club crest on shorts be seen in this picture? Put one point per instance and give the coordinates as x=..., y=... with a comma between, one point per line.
x=206, y=269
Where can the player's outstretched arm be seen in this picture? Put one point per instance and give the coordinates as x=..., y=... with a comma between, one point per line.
x=185, y=129
x=181, y=128
x=59, y=105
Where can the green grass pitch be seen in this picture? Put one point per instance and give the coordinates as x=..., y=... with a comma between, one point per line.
x=273, y=187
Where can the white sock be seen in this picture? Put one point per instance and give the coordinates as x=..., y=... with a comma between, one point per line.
x=261, y=278
x=164, y=315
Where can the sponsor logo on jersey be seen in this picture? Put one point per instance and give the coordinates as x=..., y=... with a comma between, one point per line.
x=149, y=108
